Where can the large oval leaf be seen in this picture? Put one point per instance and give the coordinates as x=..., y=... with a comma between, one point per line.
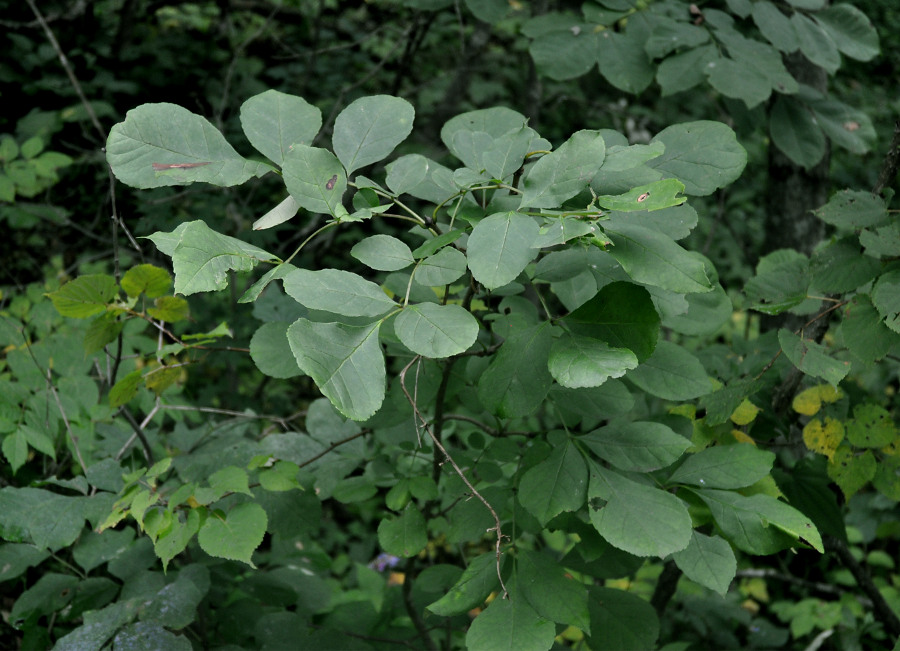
x=499, y=248
x=165, y=144
x=369, y=129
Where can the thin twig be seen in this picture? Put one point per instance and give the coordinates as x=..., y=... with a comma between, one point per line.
x=334, y=445
x=496, y=528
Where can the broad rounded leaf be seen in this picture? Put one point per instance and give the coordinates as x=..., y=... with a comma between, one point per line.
x=273, y=121
x=652, y=258
x=271, y=352
x=851, y=30
x=165, y=144
x=234, y=535
x=550, y=591
x=315, y=178
x=478, y=580
x=345, y=362
x=725, y=466
x=153, y=281
x=812, y=358
x=565, y=172
x=405, y=535
x=369, y=128
x=84, y=296
x=499, y=248
x=653, y=196
x=853, y=209
x=340, y=292
x=672, y=373
x=517, y=381
x=703, y=155
x=795, y=132
x=382, y=252
x=623, y=61
x=510, y=625
x=557, y=484
x=638, y=446
x=565, y=54
x=442, y=268
x=436, y=331
x=577, y=361
x=621, y=620
x=816, y=43
x=639, y=519
x=708, y=561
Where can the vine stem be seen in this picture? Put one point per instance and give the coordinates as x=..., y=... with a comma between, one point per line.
x=424, y=421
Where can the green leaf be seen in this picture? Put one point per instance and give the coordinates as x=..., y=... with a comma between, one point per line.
x=703, y=155
x=622, y=60
x=853, y=209
x=506, y=154
x=621, y=620
x=815, y=43
x=494, y=122
x=49, y=520
x=851, y=470
x=553, y=595
x=517, y=381
x=340, y=292
x=84, y=296
x=886, y=298
x=39, y=440
x=564, y=54
x=345, y=362
x=382, y=252
x=577, y=361
x=477, y=582
x=724, y=466
x=442, y=268
x=154, y=137
x=759, y=524
x=284, y=211
x=15, y=449
x=499, y=248
x=622, y=315
x=565, y=172
x=851, y=30
x=202, y=258
x=170, y=309
x=672, y=373
x=706, y=313
x=775, y=26
x=125, y=389
x=370, y=128
x=175, y=540
x=669, y=36
x=234, y=535
x=406, y=173
x=271, y=352
x=147, y=278
x=654, y=259
x=758, y=63
x=315, y=179
x=144, y=636
x=837, y=267
x=636, y=518
x=558, y=483
x=273, y=121
x=863, y=331
x=621, y=158
x=795, y=131
x=638, y=446
x=781, y=282
x=847, y=127
x=98, y=627
x=709, y=561
x=510, y=625
x=405, y=535
x=653, y=196
x=812, y=358
x=436, y=331
x=870, y=427
x=685, y=70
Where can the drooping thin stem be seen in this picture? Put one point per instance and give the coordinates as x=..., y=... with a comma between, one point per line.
x=446, y=456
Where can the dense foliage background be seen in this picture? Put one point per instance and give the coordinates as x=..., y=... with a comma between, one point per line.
x=364, y=529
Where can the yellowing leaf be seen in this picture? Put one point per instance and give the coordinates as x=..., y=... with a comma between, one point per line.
x=745, y=413
x=823, y=438
x=809, y=402
x=742, y=437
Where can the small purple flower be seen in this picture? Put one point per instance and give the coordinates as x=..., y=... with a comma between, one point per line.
x=384, y=561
